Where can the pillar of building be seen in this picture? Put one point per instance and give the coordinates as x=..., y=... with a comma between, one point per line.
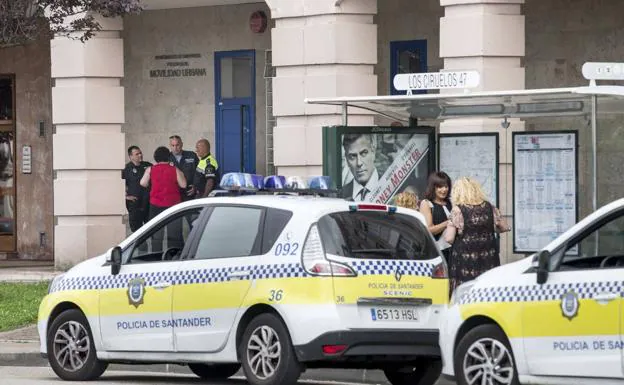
x=320, y=48
x=487, y=36
x=88, y=145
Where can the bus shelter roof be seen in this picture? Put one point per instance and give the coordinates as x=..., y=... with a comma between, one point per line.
x=544, y=102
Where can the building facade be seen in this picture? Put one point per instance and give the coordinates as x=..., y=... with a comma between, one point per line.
x=26, y=208
x=237, y=72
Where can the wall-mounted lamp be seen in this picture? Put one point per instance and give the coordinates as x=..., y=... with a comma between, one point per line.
x=505, y=123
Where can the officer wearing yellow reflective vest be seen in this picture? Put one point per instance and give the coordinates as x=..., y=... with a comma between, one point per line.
x=207, y=171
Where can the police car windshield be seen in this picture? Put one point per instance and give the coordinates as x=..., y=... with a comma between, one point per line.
x=376, y=235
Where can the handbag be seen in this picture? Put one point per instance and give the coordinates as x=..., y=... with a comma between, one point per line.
x=442, y=243
x=501, y=225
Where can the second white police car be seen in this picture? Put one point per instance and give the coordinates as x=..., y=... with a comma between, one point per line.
x=554, y=318
x=273, y=283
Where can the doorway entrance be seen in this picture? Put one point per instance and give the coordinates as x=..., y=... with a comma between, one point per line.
x=235, y=111
x=7, y=164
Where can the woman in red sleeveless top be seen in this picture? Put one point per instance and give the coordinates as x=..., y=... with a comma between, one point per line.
x=165, y=182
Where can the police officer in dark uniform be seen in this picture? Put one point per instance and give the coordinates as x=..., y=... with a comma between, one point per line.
x=137, y=196
x=207, y=171
x=187, y=162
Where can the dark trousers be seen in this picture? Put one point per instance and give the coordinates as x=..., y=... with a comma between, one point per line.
x=138, y=214
x=174, y=232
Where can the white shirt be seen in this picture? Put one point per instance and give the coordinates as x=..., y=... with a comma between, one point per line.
x=370, y=185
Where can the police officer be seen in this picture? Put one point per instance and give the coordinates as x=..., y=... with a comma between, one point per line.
x=186, y=161
x=207, y=171
x=137, y=196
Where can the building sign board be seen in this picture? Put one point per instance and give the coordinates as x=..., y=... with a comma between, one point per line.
x=603, y=71
x=176, y=66
x=436, y=81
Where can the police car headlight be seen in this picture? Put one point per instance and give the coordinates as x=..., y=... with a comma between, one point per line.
x=54, y=281
x=461, y=291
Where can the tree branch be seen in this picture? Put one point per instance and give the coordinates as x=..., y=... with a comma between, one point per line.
x=23, y=21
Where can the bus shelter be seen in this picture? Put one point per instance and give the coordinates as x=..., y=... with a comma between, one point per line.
x=546, y=157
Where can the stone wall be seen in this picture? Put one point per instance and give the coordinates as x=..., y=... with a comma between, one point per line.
x=159, y=107
x=561, y=35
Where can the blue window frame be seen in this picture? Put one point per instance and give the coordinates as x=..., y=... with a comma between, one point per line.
x=407, y=57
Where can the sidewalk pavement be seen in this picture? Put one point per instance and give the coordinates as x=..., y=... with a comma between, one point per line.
x=28, y=274
x=20, y=347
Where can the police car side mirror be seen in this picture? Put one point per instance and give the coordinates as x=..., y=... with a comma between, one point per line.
x=115, y=255
x=543, y=258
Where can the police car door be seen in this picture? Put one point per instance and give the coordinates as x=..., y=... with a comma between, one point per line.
x=571, y=324
x=216, y=277
x=135, y=308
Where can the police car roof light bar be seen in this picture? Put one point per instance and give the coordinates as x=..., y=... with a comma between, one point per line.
x=241, y=181
x=236, y=183
x=296, y=182
x=275, y=182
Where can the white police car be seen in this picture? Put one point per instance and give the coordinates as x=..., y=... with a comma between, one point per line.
x=553, y=318
x=273, y=283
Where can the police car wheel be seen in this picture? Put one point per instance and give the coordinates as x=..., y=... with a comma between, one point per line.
x=425, y=372
x=71, y=350
x=484, y=352
x=266, y=352
x=214, y=371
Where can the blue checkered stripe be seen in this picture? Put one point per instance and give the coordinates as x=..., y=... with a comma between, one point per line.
x=222, y=274
x=110, y=282
x=536, y=293
x=186, y=277
x=283, y=270
x=390, y=267
x=202, y=276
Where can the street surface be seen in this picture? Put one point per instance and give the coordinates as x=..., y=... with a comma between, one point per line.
x=45, y=376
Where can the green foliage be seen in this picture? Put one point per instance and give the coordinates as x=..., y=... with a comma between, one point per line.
x=22, y=21
x=19, y=303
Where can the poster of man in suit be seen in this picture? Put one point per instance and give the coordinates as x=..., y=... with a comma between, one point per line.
x=380, y=164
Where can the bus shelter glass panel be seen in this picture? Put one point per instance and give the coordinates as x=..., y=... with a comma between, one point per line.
x=610, y=149
x=610, y=175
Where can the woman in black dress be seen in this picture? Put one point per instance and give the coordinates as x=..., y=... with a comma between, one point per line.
x=472, y=231
x=436, y=207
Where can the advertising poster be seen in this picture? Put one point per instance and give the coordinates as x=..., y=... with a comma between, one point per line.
x=474, y=156
x=545, y=180
x=374, y=164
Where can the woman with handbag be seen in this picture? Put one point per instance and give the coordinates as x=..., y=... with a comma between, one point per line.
x=472, y=232
x=436, y=207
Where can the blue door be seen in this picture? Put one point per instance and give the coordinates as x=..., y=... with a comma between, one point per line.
x=407, y=57
x=235, y=108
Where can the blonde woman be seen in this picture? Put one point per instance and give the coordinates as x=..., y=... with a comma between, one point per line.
x=406, y=199
x=474, y=222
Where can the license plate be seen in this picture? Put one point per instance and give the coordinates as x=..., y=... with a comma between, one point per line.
x=394, y=314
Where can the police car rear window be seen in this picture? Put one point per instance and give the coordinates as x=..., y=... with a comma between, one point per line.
x=376, y=235
x=274, y=223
